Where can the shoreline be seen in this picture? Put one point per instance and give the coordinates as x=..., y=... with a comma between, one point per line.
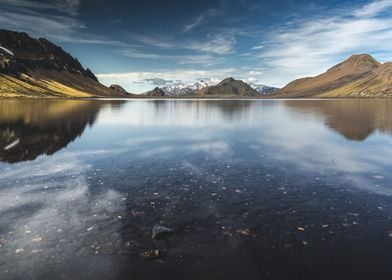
x=192, y=98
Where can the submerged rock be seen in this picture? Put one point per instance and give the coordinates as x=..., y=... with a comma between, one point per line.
x=243, y=231
x=151, y=254
x=159, y=231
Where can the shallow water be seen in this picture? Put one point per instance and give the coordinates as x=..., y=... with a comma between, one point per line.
x=266, y=189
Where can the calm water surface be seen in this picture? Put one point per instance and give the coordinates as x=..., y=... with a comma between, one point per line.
x=252, y=189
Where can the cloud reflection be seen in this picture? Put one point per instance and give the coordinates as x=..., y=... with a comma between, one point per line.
x=49, y=210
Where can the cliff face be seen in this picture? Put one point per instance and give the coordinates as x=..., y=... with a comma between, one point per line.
x=38, y=68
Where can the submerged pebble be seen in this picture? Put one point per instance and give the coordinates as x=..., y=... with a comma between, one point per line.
x=243, y=231
x=36, y=239
x=159, y=231
x=151, y=254
x=17, y=251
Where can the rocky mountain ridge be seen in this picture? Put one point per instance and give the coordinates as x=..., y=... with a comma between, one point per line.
x=156, y=92
x=38, y=68
x=358, y=76
x=228, y=87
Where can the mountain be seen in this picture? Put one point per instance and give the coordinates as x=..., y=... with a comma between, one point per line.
x=265, y=90
x=119, y=90
x=184, y=88
x=156, y=92
x=180, y=88
x=358, y=76
x=38, y=68
x=228, y=87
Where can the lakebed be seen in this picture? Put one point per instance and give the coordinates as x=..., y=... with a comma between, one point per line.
x=253, y=189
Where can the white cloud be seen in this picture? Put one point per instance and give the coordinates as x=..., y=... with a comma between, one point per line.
x=152, y=40
x=60, y=208
x=63, y=6
x=199, y=20
x=196, y=59
x=219, y=44
x=195, y=23
x=215, y=149
x=373, y=8
x=258, y=47
x=307, y=48
x=201, y=49
x=39, y=25
x=254, y=72
x=60, y=24
x=72, y=6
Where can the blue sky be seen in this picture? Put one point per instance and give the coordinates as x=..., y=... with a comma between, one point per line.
x=133, y=43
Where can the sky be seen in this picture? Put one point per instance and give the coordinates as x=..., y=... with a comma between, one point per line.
x=141, y=44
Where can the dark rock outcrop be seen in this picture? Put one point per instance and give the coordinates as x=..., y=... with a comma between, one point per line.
x=32, y=54
x=157, y=92
x=117, y=89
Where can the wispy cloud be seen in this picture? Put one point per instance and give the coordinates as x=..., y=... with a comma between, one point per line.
x=64, y=6
x=195, y=59
x=71, y=6
x=36, y=24
x=150, y=46
x=56, y=20
x=373, y=8
x=219, y=44
x=308, y=47
x=157, y=81
x=202, y=18
x=258, y=47
x=157, y=41
x=195, y=23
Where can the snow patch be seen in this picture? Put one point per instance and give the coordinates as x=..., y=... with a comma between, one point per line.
x=184, y=88
x=10, y=146
x=6, y=50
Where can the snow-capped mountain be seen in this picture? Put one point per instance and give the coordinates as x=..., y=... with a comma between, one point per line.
x=181, y=88
x=263, y=89
x=184, y=88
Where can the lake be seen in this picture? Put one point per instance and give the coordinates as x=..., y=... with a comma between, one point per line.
x=252, y=189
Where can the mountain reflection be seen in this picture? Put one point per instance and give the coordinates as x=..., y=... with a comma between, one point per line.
x=31, y=128
x=354, y=119
x=229, y=108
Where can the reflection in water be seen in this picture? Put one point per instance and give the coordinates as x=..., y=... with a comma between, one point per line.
x=354, y=119
x=203, y=107
x=37, y=127
x=253, y=189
